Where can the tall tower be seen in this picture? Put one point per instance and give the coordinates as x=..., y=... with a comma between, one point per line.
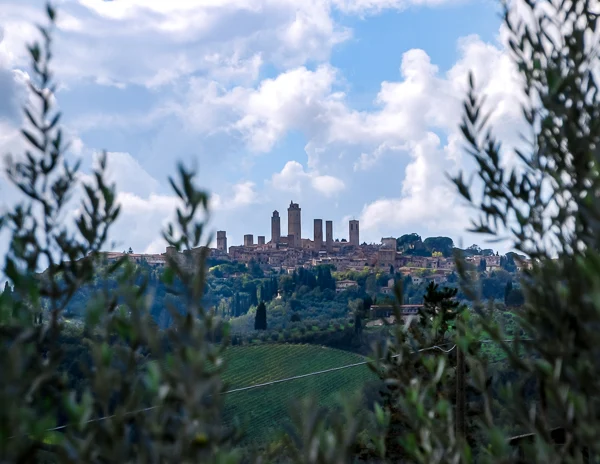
x=222, y=240
x=275, y=227
x=248, y=240
x=261, y=239
x=318, y=236
x=294, y=221
x=329, y=236
x=353, y=233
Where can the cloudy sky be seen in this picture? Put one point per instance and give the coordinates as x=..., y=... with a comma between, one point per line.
x=348, y=107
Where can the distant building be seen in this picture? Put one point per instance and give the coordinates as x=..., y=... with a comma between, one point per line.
x=329, y=236
x=294, y=225
x=248, y=240
x=275, y=227
x=353, y=234
x=222, y=240
x=388, y=242
x=261, y=239
x=379, y=313
x=318, y=235
x=342, y=285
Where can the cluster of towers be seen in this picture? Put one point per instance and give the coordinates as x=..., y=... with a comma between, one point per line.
x=294, y=238
x=294, y=235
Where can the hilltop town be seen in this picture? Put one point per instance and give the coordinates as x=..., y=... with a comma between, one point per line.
x=287, y=253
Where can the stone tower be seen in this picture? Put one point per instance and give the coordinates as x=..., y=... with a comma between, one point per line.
x=318, y=235
x=275, y=227
x=353, y=233
x=261, y=239
x=294, y=221
x=248, y=240
x=329, y=236
x=222, y=240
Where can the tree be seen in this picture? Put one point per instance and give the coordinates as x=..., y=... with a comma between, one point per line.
x=295, y=317
x=260, y=320
x=439, y=309
x=407, y=240
x=255, y=269
x=473, y=250
x=445, y=245
x=482, y=265
x=515, y=297
x=546, y=203
x=60, y=225
x=371, y=284
x=324, y=278
x=367, y=302
x=507, y=289
x=507, y=263
x=358, y=324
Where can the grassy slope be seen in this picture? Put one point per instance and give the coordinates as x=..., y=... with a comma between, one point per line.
x=265, y=411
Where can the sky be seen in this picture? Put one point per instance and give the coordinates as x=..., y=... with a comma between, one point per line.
x=350, y=108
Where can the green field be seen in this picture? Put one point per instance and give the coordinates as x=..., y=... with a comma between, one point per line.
x=264, y=411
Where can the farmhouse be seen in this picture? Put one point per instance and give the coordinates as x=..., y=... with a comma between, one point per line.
x=342, y=285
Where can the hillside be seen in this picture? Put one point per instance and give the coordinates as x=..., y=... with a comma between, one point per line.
x=264, y=411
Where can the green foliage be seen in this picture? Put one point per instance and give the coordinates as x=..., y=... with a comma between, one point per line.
x=445, y=245
x=264, y=412
x=260, y=320
x=122, y=336
x=407, y=241
x=439, y=310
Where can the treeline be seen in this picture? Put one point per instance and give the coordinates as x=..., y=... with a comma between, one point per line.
x=307, y=293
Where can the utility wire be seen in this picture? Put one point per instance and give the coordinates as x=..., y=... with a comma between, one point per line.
x=325, y=371
x=260, y=385
x=287, y=379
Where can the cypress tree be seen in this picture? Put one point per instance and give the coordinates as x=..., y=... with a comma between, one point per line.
x=507, y=291
x=260, y=320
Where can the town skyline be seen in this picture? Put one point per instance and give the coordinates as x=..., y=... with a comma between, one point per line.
x=348, y=117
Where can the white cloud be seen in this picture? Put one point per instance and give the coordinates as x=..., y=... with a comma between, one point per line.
x=427, y=199
x=293, y=178
x=128, y=174
x=327, y=185
x=261, y=116
x=154, y=43
x=243, y=194
x=214, y=50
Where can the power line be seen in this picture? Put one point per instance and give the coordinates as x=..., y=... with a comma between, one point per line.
x=325, y=371
x=260, y=385
x=287, y=379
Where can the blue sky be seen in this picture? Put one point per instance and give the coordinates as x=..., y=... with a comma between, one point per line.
x=349, y=107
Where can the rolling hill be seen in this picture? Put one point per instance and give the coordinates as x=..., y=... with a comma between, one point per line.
x=264, y=411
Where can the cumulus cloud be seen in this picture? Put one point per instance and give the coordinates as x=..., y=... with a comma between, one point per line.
x=261, y=116
x=293, y=178
x=169, y=40
x=426, y=198
x=128, y=174
x=243, y=194
x=214, y=52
